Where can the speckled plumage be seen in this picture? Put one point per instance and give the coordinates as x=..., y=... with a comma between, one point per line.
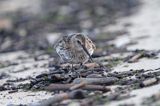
x=71, y=48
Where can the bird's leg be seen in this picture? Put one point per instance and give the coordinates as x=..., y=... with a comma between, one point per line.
x=71, y=70
x=72, y=67
x=81, y=66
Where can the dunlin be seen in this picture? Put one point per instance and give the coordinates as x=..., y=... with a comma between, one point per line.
x=75, y=49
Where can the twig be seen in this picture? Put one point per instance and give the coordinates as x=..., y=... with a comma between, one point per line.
x=64, y=87
x=148, y=82
x=96, y=81
x=80, y=85
x=88, y=65
x=77, y=94
x=136, y=57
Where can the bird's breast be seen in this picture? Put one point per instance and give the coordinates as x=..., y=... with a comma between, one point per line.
x=65, y=54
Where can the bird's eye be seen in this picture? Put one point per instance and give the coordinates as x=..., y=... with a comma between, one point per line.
x=78, y=42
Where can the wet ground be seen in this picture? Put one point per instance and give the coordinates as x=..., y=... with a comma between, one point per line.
x=129, y=50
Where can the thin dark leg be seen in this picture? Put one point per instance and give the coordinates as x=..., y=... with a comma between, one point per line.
x=81, y=66
x=72, y=67
x=78, y=71
x=71, y=70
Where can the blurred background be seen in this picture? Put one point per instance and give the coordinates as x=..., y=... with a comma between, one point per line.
x=36, y=24
x=126, y=34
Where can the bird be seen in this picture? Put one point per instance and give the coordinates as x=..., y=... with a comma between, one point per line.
x=75, y=48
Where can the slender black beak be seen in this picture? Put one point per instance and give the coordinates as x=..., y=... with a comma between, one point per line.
x=84, y=48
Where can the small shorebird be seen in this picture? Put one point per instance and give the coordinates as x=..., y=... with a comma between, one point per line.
x=75, y=49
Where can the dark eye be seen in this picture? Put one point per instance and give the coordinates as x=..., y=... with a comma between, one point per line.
x=90, y=41
x=78, y=42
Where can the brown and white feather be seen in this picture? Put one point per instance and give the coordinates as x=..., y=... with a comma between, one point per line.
x=71, y=51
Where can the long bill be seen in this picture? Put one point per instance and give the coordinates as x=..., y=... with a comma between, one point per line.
x=84, y=48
